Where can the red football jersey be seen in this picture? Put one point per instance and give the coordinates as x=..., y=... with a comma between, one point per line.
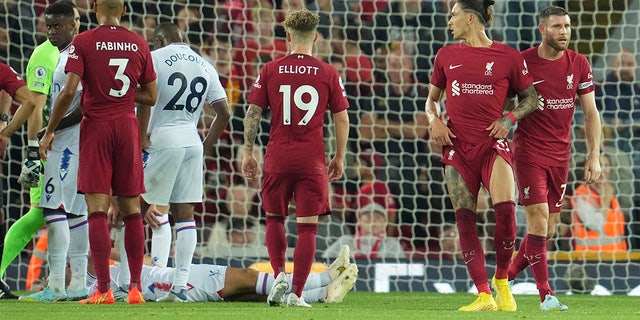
x=544, y=136
x=112, y=61
x=10, y=80
x=298, y=89
x=477, y=81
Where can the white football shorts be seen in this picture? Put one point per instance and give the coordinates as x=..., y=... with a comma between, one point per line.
x=173, y=175
x=207, y=281
x=60, y=184
x=204, y=283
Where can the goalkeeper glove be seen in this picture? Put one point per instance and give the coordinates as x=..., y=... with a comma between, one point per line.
x=31, y=166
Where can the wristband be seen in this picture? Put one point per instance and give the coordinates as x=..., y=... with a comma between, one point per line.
x=511, y=117
x=33, y=150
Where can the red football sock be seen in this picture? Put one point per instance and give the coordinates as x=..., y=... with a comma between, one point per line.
x=472, y=249
x=276, y=242
x=537, y=256
x=519, y=263
x=100, y=246
x=504, y=236
x=303, y=256
x=134, y=245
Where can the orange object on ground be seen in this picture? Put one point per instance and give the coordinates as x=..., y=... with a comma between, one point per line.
x=38, y=257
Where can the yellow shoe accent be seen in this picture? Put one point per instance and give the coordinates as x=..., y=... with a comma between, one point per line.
x=485, y=302
x=504, y=298
x=99, y=298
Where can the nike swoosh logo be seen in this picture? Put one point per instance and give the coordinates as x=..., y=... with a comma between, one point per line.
x=451, y=67
x=536, y=82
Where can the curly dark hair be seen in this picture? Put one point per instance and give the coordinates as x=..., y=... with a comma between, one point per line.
x=301, y=21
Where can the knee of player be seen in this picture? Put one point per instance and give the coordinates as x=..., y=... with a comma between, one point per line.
x=182, y=212
x=243, y=277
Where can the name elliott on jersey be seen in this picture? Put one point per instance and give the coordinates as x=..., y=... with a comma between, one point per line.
x=291, y=69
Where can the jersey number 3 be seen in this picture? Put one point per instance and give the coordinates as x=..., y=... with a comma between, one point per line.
x=120, y=76
x=310, y=107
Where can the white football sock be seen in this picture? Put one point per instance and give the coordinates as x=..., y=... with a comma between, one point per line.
x=314, y=295
x=314, y=280
x=325, y=278
x=186, y=239
x=161, y=241
x=264, y=283
x=125, y=277
x=58, y=244
x=78, y=250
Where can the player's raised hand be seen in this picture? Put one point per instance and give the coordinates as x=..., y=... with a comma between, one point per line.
x=45, y=144
x=336, y=169
x=440, y=134
x=592, y=170
x=249, y=166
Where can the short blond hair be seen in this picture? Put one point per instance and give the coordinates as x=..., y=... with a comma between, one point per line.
x=301, y=21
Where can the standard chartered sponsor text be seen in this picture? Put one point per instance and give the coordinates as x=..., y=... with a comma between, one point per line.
x=477, y=88
x=561, y=103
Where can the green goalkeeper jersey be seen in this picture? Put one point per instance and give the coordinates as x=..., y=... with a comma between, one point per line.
x=39, y=75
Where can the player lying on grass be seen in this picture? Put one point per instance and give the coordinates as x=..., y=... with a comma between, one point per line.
x=213, y=283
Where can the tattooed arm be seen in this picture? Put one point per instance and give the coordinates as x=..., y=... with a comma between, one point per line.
x=528, y=102
x=251, y=123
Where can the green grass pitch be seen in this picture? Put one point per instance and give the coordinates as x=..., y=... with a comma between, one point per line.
x=356, y=305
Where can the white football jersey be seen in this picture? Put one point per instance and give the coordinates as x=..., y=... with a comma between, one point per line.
x=204, y=283
x=185, y=82
x=58, y=81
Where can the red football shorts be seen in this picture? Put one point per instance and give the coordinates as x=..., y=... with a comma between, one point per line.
x=310, y=194
x=111, y=157
x=476, y=169
x=540, y=184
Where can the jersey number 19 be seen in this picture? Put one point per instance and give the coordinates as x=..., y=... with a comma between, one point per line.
x=310, y=107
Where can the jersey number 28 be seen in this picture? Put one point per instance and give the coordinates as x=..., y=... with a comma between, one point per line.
x=197, y=89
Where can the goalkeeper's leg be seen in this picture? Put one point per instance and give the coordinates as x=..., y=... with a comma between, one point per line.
x=22, y=231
